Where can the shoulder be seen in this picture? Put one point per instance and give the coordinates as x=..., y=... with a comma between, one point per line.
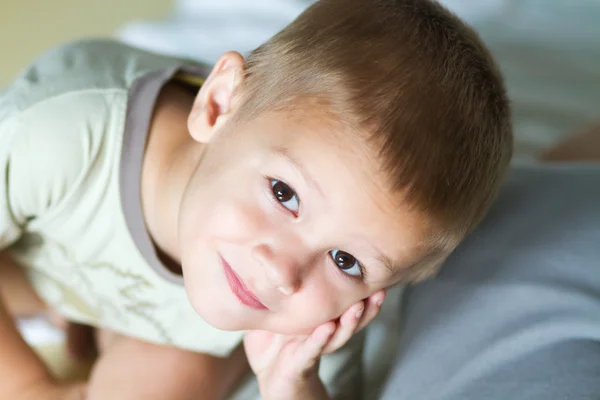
x=94, y=64
x=58, y=113
x=51, y=145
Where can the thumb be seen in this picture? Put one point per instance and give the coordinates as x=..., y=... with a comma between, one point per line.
x=261, y=348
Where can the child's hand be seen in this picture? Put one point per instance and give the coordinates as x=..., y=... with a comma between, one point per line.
x=287, y=366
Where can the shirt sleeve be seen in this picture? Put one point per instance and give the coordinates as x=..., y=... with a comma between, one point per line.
x=10, y=224
x=42, y=156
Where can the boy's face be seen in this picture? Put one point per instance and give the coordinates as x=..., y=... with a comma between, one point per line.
x=286, y=223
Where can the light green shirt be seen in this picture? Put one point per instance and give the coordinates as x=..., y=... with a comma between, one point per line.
x=73, y=129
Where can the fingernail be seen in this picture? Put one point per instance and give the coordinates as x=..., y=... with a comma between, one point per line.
x=379, y=302
x=360, y=312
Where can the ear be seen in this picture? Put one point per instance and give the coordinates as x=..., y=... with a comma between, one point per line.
x=214, y=103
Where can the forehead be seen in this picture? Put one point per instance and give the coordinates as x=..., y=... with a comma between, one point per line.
x=351, y=192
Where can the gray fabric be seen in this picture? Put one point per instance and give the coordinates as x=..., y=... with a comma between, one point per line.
x=515, y=312
x=143, y=95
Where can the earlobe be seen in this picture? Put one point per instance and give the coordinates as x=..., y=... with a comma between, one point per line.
x=214, y=103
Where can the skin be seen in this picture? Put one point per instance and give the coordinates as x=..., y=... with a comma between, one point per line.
x=199, y=179
x=221, y=177
x=282, y=250
x=289, y=353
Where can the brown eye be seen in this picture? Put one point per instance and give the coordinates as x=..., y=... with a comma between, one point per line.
x=346, y=262
x=285, y=195
x=282, y=191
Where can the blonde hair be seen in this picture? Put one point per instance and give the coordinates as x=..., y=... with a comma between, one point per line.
x=413, y=76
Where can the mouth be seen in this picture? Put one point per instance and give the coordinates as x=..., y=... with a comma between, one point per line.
x=239, y=289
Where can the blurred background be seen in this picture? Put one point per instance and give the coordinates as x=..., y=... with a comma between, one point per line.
x=28, y=27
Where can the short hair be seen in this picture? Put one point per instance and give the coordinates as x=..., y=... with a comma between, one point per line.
x=417, y=79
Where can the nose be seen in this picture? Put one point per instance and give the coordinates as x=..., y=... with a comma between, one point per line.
x=283, y=270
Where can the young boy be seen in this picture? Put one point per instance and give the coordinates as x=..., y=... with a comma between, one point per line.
x=281, y=194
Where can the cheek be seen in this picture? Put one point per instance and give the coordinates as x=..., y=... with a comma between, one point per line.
x=233, y=220
x=319, y=304
x=226, y=221
x=238, y=214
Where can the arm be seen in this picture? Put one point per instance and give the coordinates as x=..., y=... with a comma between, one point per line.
x=20, y=300
x=19, y=365
x=21, y=368
x=24, y=376
x=132, y=369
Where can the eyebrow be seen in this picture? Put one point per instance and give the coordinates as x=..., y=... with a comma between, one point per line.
x=383, y=260
x=387, y=263
x=299, y=167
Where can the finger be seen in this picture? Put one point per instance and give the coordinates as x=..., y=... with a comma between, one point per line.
x=372, y=307
x=347, y=325
x=314, y=345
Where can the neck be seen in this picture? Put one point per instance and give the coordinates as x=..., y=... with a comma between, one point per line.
x=169, y=161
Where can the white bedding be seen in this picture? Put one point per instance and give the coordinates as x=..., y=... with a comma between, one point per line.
x=549, y=52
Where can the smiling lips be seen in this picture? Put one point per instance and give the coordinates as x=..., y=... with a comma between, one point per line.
x=240, y=290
